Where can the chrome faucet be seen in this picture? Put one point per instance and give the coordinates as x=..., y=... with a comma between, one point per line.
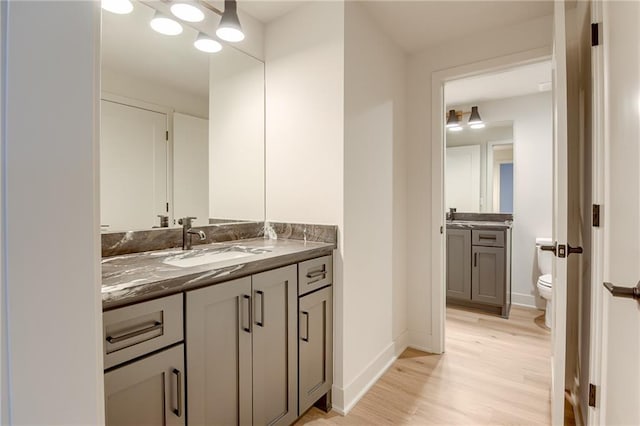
x=187, y=232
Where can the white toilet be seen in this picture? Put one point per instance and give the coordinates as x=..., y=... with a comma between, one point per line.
x=544, y=280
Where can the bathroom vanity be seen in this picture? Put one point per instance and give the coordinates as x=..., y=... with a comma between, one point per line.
x=478, y=267
x=244, y=338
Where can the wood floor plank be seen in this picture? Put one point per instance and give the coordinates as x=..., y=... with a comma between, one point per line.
x=494, y=371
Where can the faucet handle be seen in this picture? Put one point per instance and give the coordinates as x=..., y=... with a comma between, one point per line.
x=186, y=220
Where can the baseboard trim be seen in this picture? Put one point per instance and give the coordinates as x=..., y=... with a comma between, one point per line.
x=421, y=341
x=521, y=299
x=346, y=398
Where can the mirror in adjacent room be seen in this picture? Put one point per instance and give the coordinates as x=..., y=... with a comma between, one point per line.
x=182, y=131
x=479, y=169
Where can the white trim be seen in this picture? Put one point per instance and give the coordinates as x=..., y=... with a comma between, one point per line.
x=354, y=391
x=438, y=79
x=489, y=171
x=526, y=300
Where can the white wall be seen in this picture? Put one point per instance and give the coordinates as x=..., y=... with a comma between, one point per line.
x=236, y=144
x=374, y=295
x=305, y=84
x=525, y=36
x=533, y=185
x=51, y=205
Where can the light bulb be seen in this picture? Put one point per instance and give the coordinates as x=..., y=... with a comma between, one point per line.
x=230, y=28
x=187, y=12
x=455, y=128
x=206, y=44
x=121, y=7
x=477, y=126
x=164, y=25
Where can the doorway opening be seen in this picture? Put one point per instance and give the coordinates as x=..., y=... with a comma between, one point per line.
x=497, y=199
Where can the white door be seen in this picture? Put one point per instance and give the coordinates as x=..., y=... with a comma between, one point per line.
x=560, y=214
x=133, y=166
x=618, y=402
x=462, y=182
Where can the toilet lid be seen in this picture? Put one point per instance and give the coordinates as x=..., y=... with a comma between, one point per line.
x=545, y=280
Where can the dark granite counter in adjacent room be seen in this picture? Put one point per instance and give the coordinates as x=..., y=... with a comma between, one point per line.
x=136, y=277
x=475, y=224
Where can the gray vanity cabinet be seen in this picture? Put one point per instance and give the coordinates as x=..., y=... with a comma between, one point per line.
x=315, y=346
x=218, y=336
x=478, y=268
x=149, y=391
x=275, y=355
x=459, y=264
x=488, y=275
x=241, y=350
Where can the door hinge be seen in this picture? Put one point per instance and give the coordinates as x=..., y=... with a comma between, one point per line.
x=166, y=135
x=167, y=207
x=596, y=215
x=592, y=395
x=595, y=34
x=441, y=230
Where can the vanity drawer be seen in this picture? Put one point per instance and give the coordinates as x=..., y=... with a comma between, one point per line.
x=490, y=238
x=314, y=274
x=139, y=329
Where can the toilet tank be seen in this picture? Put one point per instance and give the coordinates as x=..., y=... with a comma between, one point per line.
x=544, y=257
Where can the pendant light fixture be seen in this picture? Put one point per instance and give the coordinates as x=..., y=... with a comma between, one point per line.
x=187, y=12
x=475, y=122
x=164, y=25
x=229, y=28
x=204, y=43
x=121, y=7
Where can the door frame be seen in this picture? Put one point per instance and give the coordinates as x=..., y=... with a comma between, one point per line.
x=438, y=253
x=489, y=173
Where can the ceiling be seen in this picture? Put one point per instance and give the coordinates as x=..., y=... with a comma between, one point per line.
x=517, y=81
x=416, y=25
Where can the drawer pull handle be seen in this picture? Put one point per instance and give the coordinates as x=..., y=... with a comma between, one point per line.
x=322, y=273
x=117, y=339
x=487, y=237
x=306, y=338
x=248, y=299
x=261, y=294
x=178, y=373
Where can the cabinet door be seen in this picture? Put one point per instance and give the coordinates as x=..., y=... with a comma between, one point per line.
x=219, y=354
x=275, y=355
x=316, y=347
x=147, y=392
x=459, y=264
x=488, y=281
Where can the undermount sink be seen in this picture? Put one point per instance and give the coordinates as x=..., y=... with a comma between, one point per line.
x=191, y=259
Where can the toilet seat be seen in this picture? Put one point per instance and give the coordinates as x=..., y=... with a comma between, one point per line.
x=545, y=280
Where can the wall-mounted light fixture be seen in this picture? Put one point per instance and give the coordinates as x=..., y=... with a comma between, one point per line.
x=164, y=25
x=230, y=28
x=121, y=7
x=204, y=43
x=187, y=12
x=454, y=119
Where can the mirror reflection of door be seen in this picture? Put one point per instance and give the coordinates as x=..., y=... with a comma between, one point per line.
x=479, y=170
x=133, y=189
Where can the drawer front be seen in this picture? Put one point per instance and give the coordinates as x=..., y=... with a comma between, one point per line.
x=314, y=274
x=136, y=330
x=487, y=238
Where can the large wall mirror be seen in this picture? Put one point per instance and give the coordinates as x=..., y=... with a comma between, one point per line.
x=479, y=169
x=182, y=131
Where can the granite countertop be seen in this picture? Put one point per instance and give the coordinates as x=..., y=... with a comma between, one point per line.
x=478, y=224
x=136, y=277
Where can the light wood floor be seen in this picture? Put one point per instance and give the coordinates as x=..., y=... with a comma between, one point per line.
x=494, y=371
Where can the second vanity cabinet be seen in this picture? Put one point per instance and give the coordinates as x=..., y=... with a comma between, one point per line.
x=478, y=268
x=242, y=350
